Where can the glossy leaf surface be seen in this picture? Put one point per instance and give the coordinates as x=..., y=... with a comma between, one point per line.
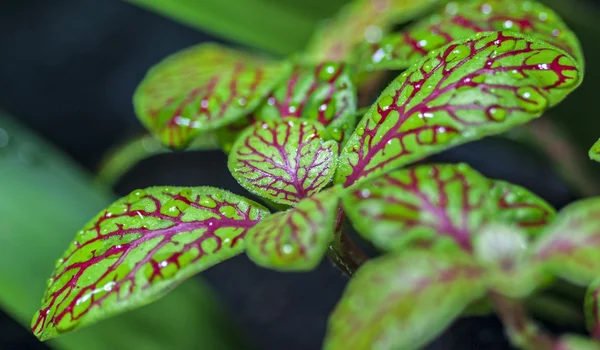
x=464, y=91
x=360, y=21
x=296, y=239
x=426, y=203
x=570, y=248
x=402, y=302
x=202, y=88
x=284, y=160
x=458, y=20
x=138, y=249
x=323, y=93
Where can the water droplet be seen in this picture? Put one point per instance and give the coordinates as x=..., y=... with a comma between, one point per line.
x=242, y=101
x=497, y=113
x=365, y=193
x=360, y=131
x=486, y=9
x=543, y=16
x=508, y=24
x=271, y=101
x=207, y=202
x=376, y=117
x=163, y=264
x=287, y=249
x=228, y=211
x=373, y=34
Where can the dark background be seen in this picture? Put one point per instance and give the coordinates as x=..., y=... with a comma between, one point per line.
x=68, y=70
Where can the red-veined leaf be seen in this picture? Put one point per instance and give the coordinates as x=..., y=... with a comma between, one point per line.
x=202, y=88
x=283, y=160
x=402, y=302
x=462, y=19
x=138, y=249
x=296, y=239
x=464, y=91
x=570, y=248
x=426, y=203
x=362, y=20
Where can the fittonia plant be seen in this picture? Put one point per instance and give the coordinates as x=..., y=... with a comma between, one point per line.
x=450, y=238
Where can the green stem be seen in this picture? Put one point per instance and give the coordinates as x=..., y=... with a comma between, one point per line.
x=343, y=252
x=555, y=310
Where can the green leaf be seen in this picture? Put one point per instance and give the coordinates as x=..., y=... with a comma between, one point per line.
x=575, y=342
x=202, y=88
x=594, y=152
x=503, y=251
x=296, y=239
x=404, y=301
x=360, y=21
x=460, y=20
x=124, y=157
x=138, y=249
x=592, y=308
x=570, y=247
x=324, y=93
x=424, y=204
x=284, y=160
x=464, y=91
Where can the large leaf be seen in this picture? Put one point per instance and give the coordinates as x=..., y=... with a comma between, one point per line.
x=138, y=249
x=65, y=197
x=202, y=88
x=462, y=19
x=464, y=91
x=571, y=246
x=359, y=21
x=323, y=92
x=284, y=160
x=297, y=239
x=425, y=203
x=402, y=302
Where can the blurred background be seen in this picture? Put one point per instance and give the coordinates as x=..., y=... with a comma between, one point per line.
x=68, y=69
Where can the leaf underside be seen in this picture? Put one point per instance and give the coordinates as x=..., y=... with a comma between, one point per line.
x=464, y=91
x=296, y=239
x=402, y=302
x=284, y=160
x=202, y=88
x=459, y=20
x=424, y=204
x=138, y=249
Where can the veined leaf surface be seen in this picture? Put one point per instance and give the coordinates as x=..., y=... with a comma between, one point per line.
x=138, y=249
x=296, y=239
x=462, y=19
x=464, y=91
x=283, y=160
x=426, y=203
x=202, y=88
x=570, y=247
x=402, y=302
x=359, y=21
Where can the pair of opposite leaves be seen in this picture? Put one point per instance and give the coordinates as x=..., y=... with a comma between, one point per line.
x=68, y=302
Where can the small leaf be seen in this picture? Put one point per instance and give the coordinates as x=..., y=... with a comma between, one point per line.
x=502, y=250
x=570, y=247
x=284, y=160
x=138, y=249
x=402, y=302
x=459, y=20
x=575, y=342
x=323, y=93
x=595, y=151
x=425, y=203
x=360, y=21
x=469, y=89
x=202, y=88
x=297, y=239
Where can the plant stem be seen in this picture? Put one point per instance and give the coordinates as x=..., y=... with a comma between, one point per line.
x=521, y=330
x=343, y=252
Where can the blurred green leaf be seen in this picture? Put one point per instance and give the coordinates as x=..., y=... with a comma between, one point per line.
x=278, y=26
x=45, y=199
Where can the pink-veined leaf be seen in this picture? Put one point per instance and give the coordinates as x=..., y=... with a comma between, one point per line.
x=402, y=302
x=464, y=91
x=575, y=342
x=595, y=151
x=424, y=204
x=324, y=93
x=283, y=160
x=296, y=239
x=502, y=249
x=203, y=88
x=359, y=21
x=462, y=19
x=138, y=249
x=570, y=247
